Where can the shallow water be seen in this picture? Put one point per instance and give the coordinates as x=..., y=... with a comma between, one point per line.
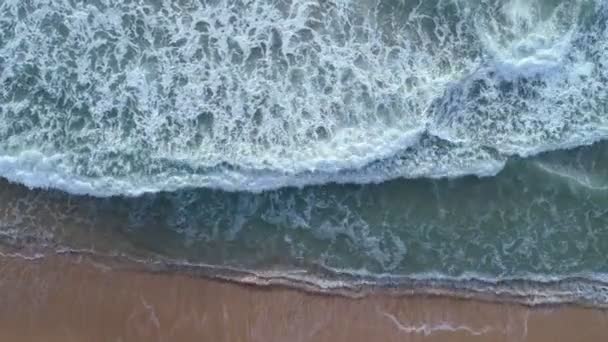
x=535, y=221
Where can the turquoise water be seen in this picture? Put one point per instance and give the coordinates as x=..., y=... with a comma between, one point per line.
x=375, y=142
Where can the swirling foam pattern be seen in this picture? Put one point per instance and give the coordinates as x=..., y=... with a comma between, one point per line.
x=125, y=97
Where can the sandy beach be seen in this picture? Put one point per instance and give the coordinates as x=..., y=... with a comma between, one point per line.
x=68, y=298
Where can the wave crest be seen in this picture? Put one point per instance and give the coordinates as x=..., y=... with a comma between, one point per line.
x=110, y=98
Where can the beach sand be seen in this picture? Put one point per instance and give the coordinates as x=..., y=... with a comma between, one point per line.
x=70, y=298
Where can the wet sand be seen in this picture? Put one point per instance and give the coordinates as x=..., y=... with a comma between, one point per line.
x=68, y=298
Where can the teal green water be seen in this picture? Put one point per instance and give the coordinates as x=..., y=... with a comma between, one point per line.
x=525, y=221
x=541, y=219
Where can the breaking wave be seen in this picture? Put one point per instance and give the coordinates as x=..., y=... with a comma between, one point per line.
x=123, y=98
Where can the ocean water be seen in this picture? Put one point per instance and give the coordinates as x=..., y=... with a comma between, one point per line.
x=441, y=144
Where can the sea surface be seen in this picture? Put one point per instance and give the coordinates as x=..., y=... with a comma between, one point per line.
x=454, y=146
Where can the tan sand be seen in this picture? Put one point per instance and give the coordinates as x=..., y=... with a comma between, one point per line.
x=67, y=298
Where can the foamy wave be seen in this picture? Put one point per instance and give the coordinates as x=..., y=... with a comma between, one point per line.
x=128, y=98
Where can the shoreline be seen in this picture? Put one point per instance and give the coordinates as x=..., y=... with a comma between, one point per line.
x=67, y=298
x=525, y=292
x=52, y=218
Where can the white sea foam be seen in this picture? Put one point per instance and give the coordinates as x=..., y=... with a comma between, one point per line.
x=109, y=98
x=429, y=329
x=578, y=177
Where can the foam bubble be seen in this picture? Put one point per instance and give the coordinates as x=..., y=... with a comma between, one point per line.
x=149, y=96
